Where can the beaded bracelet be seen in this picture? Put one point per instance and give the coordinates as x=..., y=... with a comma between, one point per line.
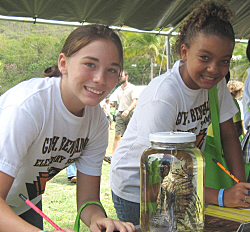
x=220, y=197
x=77, y=222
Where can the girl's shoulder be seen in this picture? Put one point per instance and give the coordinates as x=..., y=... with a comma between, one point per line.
x=30, y=89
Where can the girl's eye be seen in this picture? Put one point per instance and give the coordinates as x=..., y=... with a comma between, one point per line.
x=204, y=57
x=112, y=70
x=225, y=61
x=90, y=65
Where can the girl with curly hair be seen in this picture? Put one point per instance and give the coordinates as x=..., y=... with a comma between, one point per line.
x=178, y=101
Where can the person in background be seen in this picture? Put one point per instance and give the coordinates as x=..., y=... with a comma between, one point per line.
x=106, y=109
x=127, y=100
x=178, y=101
x=113, y=110
x=245, y=143
x=53, y=71
x=236, y=88
x=71, y=173
x=48, y=123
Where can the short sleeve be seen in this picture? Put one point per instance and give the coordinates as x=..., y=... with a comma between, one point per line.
x=18, y=131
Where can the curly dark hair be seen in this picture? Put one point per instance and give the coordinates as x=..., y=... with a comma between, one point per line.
x=209, y=18
x=248, y=50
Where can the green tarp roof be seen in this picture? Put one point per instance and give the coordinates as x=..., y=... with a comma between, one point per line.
x=140, y=14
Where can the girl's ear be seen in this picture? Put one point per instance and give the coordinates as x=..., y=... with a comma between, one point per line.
x=184, y=51
x=62, y=64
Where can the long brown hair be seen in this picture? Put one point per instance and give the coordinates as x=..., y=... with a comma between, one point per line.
x=52, y=71
x=83, y=35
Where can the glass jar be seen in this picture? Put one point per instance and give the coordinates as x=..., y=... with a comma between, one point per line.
x=172, y=184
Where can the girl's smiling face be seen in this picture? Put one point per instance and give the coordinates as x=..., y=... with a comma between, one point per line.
x=207, y=61
x=89, y=75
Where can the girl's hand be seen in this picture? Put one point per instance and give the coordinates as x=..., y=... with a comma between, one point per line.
x=237, y=196
x=111, y=225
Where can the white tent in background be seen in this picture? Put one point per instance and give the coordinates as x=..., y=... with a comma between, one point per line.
x=113, y=96
x=138, y=88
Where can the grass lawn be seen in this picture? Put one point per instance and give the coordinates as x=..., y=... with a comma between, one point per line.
x=59, y=199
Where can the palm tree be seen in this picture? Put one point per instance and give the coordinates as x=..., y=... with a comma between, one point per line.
x=239, y=63
x=145, y=45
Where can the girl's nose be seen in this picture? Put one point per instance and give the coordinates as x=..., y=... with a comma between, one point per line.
x=213, y=67
x=99, y=77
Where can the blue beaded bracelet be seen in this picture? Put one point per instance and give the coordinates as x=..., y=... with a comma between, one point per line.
x=220, y=197
x=43, y=231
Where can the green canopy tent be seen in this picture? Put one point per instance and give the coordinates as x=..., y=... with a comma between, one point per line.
x=145, y=15
x=141, y=16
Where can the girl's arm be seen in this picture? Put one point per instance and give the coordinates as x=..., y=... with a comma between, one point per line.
x=234, y=196
x=9, y=221
x=232, y=150
x=88, y=189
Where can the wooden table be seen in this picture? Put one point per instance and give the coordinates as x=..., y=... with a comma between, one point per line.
x=220, y=219
x=215, y=224
x=224, y=219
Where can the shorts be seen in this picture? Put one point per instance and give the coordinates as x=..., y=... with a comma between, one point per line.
x=109, y=119
x=127, y=211
x=122, y=123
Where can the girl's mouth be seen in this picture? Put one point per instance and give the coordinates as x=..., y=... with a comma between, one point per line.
x=209, y=78
x=94, y=91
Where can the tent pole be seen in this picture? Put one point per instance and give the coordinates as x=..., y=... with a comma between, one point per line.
x=168, y=51
x=78, y=24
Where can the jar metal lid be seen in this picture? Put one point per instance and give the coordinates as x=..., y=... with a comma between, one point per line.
x=172, y=137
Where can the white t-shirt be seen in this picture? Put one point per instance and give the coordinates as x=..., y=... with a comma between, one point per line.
x=106, y=106
x=40, y=137
x=167, y=104
x=246, y=101
x=125, y=96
